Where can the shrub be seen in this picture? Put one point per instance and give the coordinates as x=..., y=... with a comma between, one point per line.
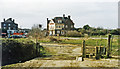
x=14, y=51
x=73, y=34
x=52, y=39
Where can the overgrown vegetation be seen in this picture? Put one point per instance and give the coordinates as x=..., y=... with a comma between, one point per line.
x=91, y=31
x=36, y=32
x=88, y=42
x=73, y=34
x=18, y=50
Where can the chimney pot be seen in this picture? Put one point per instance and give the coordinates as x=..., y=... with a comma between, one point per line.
x=13, y=20
x=4, y=19
x=68, y=16
x=63, y=15
x=10, y=19
x=47, y=20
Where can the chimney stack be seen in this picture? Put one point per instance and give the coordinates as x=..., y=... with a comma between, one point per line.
x=68, y=16
x=47, y=24
x=47, y=20
x=63, y=15
x=10, y=19
x=13, y=20
x=4, y=19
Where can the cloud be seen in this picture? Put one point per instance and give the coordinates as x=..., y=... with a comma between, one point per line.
x=29, y=12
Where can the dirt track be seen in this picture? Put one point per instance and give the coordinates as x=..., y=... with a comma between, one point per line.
x=38, y=62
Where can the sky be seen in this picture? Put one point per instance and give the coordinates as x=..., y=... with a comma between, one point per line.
x=96, y=13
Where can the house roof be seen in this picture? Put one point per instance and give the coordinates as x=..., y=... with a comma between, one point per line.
x=65, y=20
x=10, y=20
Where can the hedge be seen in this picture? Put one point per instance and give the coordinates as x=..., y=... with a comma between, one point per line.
x=14, y=51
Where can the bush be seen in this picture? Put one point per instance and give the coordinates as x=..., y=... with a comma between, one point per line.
x=73, y=34
x=14, y=51
x=114, y=32
x=52, y=39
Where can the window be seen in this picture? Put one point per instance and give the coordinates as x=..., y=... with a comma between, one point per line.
x=58, y=32
x=14, y=28
x=9, y=24
x=62, y=32
x=66, y=26
x=52, y=27
x=4, y=27
x=56, y=26
x=59, y=21
x=4, y=24
x=59, y=26
x=9, y=28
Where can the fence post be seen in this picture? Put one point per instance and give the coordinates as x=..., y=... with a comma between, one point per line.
x=101, y=51
x=96, y=53
x=37, y=49
x=83, y=49
x=108, y=47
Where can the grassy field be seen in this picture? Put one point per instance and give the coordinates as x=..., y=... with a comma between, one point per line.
x=70, y=50
x=88, y=41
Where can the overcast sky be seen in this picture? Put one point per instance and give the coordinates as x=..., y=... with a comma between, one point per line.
x=97, y=13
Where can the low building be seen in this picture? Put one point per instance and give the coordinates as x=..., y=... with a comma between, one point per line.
x=25, y=31
x=59, y=25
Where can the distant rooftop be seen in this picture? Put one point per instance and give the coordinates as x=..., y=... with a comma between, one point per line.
x=9, y=20
x=64, y=19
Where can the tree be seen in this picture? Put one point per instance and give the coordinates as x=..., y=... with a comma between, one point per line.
x=86, y=27
x=99, y=28
x=114, y=32
x=36, y=31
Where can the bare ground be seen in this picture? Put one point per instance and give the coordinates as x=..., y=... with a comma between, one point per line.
x=67, y=59
x=39, y=62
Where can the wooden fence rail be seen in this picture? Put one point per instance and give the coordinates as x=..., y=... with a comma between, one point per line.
x=96, y=51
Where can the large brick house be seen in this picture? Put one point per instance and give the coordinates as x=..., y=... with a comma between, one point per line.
x=59, y=25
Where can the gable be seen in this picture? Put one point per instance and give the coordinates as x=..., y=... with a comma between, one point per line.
x=68, y=21
x=51, y=21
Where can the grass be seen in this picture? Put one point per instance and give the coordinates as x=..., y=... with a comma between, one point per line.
x=91, y=42
x=88, y=42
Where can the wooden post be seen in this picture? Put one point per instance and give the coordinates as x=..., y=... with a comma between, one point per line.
x=38, y=49
x=108, y=47
x=104, y=51
x=83, y=50
x=96, y=51
x=97, y=55
x=100, y=52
